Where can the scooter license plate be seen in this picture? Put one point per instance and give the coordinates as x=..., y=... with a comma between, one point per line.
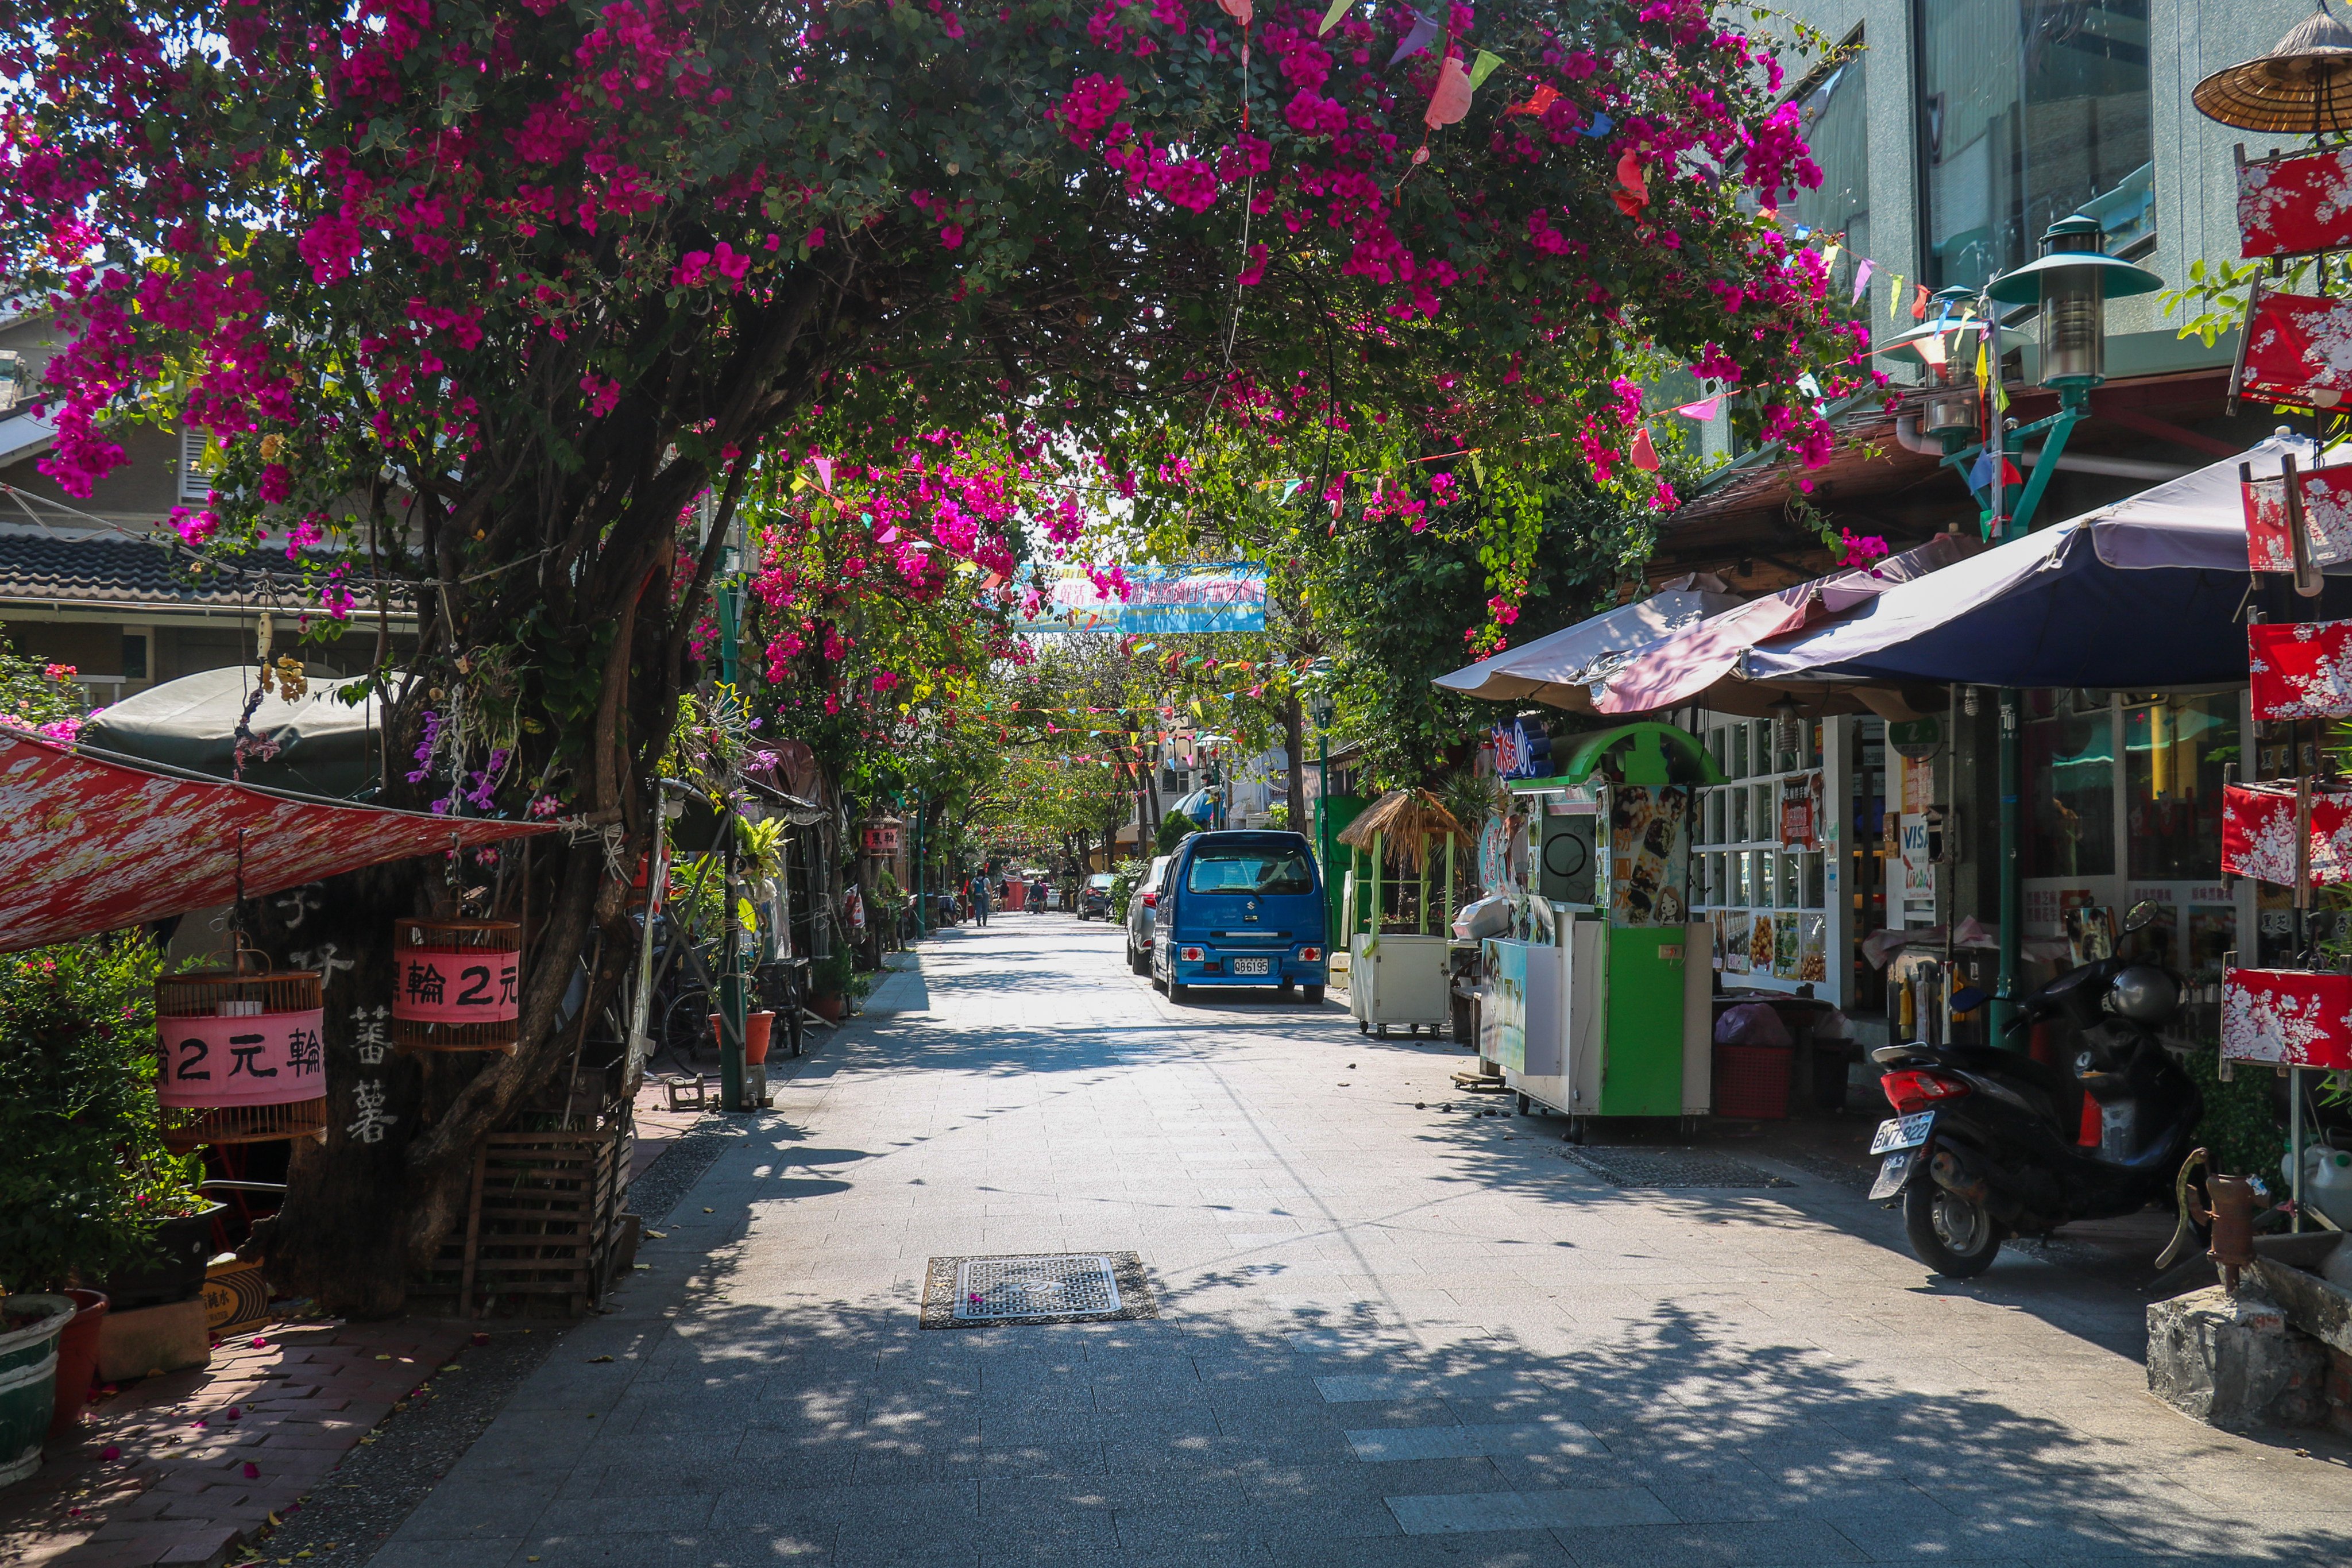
x=1892, y=1173
x=1253, y=965
x=1903, y=1131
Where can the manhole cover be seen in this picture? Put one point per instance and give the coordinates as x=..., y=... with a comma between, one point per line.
x=1671, y=1168
x=1035, y=1287
x=1829, y=1167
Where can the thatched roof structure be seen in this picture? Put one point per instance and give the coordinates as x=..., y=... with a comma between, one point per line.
x=1403, y=818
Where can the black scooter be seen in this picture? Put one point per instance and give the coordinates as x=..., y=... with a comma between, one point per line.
x=1986, y=1143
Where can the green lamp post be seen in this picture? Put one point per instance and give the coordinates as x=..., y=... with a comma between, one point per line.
x=2072, y=284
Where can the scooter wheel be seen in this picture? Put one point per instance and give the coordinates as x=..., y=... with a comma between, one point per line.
x=1956, y=1236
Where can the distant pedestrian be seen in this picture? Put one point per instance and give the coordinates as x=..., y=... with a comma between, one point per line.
x=980, y=897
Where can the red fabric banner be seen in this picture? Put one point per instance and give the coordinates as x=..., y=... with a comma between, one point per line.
x=88, y=845
x=2287, y=1017
x=2298, y=351
x=2295, y=207
x=2327, y=519
x=2300, y=669
x=2258, y=833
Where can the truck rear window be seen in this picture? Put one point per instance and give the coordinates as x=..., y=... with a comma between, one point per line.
x=1263, y=872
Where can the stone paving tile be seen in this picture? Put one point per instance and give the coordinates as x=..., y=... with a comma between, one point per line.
x=1389, y=1337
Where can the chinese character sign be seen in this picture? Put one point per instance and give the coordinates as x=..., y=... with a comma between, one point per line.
x=436, y=985
x=267, y=1059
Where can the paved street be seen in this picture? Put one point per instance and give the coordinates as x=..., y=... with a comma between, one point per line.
x=1387, y=1335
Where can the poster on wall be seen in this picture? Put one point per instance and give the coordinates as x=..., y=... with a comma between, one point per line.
x=1735, y=925
x=1509, y=994
x=1649, y=854
x=1785, y=944
x=1760, y=945
x=1801, y=813
x=1814, y=949
x=1917, y=861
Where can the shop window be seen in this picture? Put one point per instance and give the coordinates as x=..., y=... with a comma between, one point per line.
x=1767, y=902
x=1835, y=111
x=2069, y=807
x=2032, y=111
x=2175, y=753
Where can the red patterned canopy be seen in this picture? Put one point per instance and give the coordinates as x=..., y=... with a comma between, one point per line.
x=89, y=845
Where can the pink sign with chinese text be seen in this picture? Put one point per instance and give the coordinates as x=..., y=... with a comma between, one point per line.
x=267, y=1059
x=456, y=985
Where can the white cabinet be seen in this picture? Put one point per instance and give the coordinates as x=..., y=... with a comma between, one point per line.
x=1400, y=980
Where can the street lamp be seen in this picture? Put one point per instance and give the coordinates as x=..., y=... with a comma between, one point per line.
x=1942, y=347
x=2072, y=283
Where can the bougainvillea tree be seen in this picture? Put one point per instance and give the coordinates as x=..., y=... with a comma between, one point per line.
x=474, y=301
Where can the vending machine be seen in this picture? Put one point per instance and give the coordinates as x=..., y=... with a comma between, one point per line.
x=1615, y=980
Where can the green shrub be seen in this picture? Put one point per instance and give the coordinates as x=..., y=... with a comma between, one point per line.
x=83, y=1171
x=1174, y=828
x=2240, y=1129
x=1122, y=887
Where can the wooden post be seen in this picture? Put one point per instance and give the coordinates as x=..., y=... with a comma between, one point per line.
x=1421, y=915
x=1446, y=928
x=1379, y=860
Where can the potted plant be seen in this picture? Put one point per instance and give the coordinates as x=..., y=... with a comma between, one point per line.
x=86, y=1187
x=830, y=980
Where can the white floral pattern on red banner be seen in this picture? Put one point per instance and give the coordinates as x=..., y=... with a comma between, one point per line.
x=2298, y=351
x=2258, y=833
x=2327, y=519
x=2300, y=669
x=2287, y=1017
x=2295, y=207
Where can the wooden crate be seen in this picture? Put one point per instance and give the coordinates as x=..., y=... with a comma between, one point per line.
x=540, y=1225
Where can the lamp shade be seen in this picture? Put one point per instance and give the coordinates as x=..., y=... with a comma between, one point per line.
x=2074, y=246
x=2302, y=88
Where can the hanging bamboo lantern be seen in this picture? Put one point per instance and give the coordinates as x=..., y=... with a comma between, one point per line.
x=241, y=1052
x=458, y=986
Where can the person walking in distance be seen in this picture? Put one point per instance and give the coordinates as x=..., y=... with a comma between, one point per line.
x=980, y=896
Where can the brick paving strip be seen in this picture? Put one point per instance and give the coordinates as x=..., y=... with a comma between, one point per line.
x=178, y=1490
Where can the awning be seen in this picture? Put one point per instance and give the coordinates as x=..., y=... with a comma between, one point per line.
x=2146, y=591
x=319, y=746
x=1680, y=668
x=88, y=845
x=1551, y=669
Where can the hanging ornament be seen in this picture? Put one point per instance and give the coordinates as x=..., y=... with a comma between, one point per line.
x=456, y=985
x=242, y=1057
x=1240, y=11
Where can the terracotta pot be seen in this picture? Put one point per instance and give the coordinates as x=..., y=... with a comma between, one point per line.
x=756, y=1026
x=76, y=1361
x=828, y=1007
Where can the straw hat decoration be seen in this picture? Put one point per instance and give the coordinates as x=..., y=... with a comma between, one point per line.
x=1400, y=818
x=2302, y=88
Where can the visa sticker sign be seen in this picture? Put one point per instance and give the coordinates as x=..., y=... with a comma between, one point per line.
x=1196, y=596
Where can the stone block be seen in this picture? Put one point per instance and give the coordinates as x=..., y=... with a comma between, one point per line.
x=170, y=1338
x=2235, y=1363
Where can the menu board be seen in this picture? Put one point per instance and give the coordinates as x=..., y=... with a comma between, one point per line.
x=1649, y=854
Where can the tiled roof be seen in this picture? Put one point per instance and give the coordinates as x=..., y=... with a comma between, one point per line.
x=41, y=571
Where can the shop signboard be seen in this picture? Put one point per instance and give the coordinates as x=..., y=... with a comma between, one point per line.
x=2287, y=1017
x=1916, y=740
x=1917, y=859
x=881, y=838
x=1801, y=813
x=1193, y=596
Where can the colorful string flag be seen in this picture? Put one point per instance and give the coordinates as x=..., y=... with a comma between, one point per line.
x=887, y=536
x=1920, y=302
x=1704, y=408
x=1449, y=100
x=1290, y=489
x=824, y=466
x=1633, y=194
x=1829, y=257
x=1808, y=386
x=1542, y=99
x=1645, y=452
x=1599, y=125
x=1983, y=473
x=1423, y=34
x=1894, y=298
x=1331, y=18
x=1862, y=278
x=1483, y=66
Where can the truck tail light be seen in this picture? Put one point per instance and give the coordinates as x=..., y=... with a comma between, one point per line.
x=1311, y=955
x=1189, y=955
x=1150, y=900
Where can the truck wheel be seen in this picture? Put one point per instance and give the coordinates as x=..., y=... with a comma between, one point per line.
x=1314, y=995
x=1956, y=1236
x=1140, y=962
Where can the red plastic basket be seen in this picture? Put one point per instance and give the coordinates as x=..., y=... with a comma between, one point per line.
x=1751, y=1082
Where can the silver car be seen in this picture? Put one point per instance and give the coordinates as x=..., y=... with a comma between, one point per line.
x=1140, y=902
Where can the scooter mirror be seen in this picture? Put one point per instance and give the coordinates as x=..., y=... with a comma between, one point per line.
x=2143, y=915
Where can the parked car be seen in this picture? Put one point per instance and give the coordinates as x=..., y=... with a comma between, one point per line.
x=1094, y=898
x=1241, y=908
x=1142, y=900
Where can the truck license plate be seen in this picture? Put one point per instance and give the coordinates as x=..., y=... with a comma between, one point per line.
x=1252, y=966
x=1903, y=1131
